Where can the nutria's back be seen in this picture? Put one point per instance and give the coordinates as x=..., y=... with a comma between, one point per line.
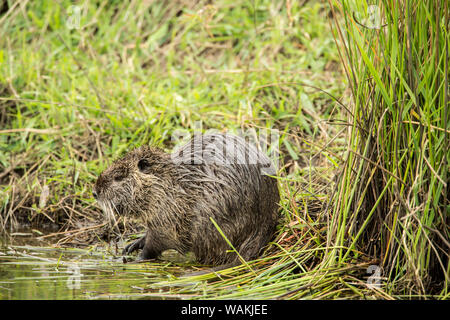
x=219, y=177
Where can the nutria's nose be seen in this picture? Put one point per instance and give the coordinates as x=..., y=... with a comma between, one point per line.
x=94, y=194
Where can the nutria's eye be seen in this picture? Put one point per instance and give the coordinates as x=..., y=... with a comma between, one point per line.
x=119, y=177
x=143, y=165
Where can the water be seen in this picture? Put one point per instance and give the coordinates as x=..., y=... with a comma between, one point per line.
x=44, y=272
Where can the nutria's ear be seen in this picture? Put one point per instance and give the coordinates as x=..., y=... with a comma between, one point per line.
x=144, y=165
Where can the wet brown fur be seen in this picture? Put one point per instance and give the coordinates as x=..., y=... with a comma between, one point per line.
x=176, y=199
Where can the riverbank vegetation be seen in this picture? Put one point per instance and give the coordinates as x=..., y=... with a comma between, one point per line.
x=357, y=94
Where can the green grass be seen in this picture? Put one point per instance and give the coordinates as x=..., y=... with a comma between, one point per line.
x=392, y=196
x=72, y=100
x=85, y=96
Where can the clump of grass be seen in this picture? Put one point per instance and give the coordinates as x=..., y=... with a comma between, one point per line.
x=392, y=196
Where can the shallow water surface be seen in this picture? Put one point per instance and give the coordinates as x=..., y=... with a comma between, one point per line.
x=45, y=272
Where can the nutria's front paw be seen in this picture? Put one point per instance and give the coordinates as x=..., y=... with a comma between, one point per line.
x=135, y=245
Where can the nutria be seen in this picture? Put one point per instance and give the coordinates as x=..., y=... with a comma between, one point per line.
x=217, y=176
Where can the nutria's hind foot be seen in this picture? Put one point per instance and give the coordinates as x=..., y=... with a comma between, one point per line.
x=134, y=246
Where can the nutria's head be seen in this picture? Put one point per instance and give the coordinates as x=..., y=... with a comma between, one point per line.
x=119, y=188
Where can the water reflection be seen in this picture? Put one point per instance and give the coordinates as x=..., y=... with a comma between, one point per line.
x=43, y=272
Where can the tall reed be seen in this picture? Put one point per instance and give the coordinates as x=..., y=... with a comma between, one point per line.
x=392, y=198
